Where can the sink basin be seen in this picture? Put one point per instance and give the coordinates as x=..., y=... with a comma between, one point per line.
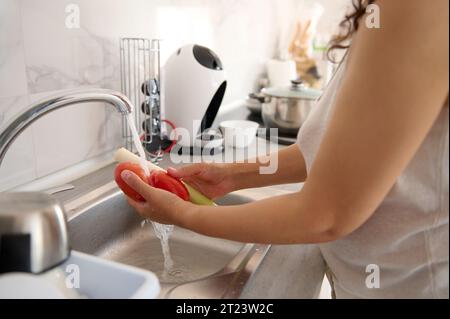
x=103, y=224
x=114, y=231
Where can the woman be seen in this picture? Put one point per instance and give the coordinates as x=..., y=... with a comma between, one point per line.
x=374, y=159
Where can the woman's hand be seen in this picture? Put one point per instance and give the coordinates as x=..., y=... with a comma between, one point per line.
x=160, y=206
x=212, y=180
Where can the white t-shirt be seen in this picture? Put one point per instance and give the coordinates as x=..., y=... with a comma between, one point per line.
x=407, y=237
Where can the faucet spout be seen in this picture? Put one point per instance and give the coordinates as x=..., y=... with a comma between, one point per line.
x=18, y=124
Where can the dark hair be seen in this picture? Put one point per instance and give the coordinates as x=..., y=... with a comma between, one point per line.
x=349, y=26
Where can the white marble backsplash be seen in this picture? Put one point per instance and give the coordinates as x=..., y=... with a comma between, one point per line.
x=40, y=56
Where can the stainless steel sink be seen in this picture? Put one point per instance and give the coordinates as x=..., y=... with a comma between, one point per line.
x=101, y=223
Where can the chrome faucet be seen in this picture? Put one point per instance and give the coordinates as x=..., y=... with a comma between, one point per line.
x=18, y=124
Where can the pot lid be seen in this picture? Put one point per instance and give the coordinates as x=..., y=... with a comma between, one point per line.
x=297, y=91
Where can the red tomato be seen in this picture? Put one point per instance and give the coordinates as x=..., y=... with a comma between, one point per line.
x=136, y=169
x=162, y=180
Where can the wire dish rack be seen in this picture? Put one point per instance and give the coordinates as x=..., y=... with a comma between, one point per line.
x=140, y=82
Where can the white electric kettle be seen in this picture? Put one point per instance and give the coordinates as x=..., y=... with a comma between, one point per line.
x=193, y=89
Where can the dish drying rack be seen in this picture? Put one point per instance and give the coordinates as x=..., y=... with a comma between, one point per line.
x=140, y=70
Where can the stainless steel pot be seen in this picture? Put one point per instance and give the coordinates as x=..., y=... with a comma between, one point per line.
x=33, y=233
x=287, y=108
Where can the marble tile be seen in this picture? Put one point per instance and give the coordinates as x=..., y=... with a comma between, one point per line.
x=12, y=64
x=68, y=136
x=113, y=127
x=58, y=57
x=244, y=33
x=111, y=63
x=244, y=41
x=11, y=106
x=19, y=164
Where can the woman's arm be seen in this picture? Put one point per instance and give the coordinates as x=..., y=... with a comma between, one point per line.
x=216, y=180
x=395, y=86
x=291, y=169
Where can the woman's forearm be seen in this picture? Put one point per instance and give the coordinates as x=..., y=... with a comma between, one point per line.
x=287, y=219
x=291, y=168
x=268, y=224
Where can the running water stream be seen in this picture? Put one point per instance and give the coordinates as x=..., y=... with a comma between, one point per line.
x=163, y=232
